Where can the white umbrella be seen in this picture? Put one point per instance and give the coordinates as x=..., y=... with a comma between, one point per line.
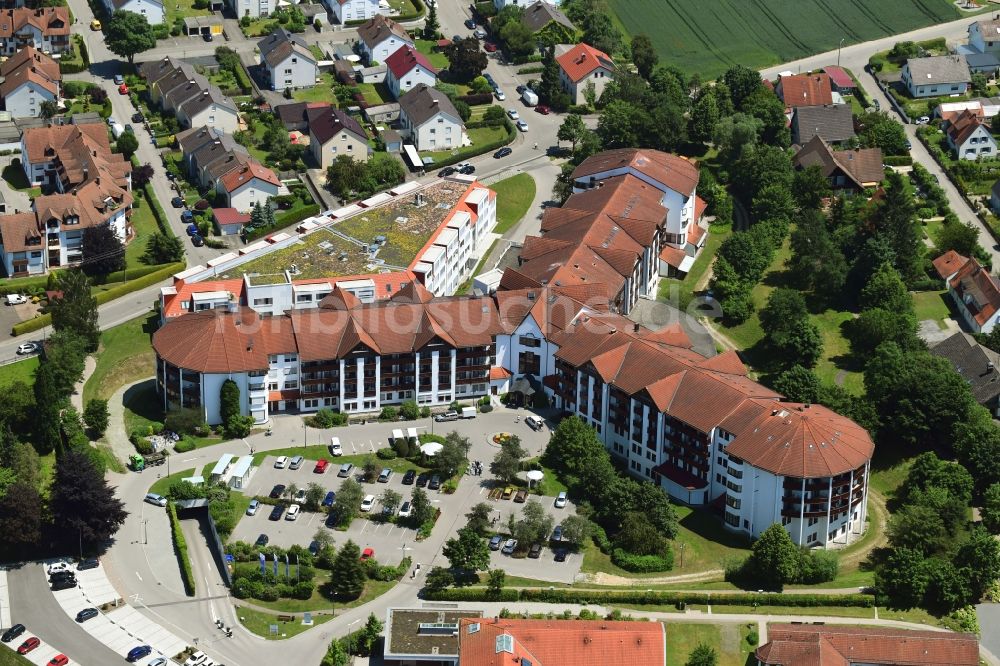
x=431, y=448
x=534, y=476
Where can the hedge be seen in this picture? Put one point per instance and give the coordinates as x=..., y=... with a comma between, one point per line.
x=652, y=597
x=479, y=150
x=180, y=546
x=642, y=563
x=477, y=99
x=76, y=64
x=162, y=273
x=897, y=160
x=531, y=70
x=283, y=221
x=161, y=216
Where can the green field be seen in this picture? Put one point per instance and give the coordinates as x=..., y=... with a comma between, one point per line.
x=709, y=37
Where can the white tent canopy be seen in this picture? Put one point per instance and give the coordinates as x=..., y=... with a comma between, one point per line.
x=432, y=448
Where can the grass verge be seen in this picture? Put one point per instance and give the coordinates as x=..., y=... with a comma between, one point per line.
x=260, y=623
x=125, y=356
x=514, y=197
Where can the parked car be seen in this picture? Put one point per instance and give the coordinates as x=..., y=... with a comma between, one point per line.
x=367, y=503
x=61, y=659
x=456, y=38
x=293, y=512
x=345, y=470
x=490, y=47
x=119, y=79
x=62, y=575
x=90, y=563
x=385, y=475
x=409, y=477
x=467, y=170
x=495, y=542
x=435, y=482
x=501, y=97
x=191, y=229
x=447, y=416
x=542, y=109
x=159, y=661
x=186, y=217
x=367, y=554
x=521, y=89
x=295, y=462
x=158, y=500
x=509, y=546
x=300, y=496
x=86, y=614
x=405, y=510
x=321, y=466
x=95, y=25
x=277, y=512
x=470, y=24
x=330, y=498
x=176, y=202
x=261, y=541
x=922, y=120
x=557, y=533
x=535, y=551
x=252, y=508
x=277, y=491
x=561, y=499
x=534, y=422
x=561, y=555
x=197, y=240
x=64, y=584
x=58, y=566
x=27, y=348
x=208, y=37
x=16, y=299
x=422, y=480
x=521, y=125
x=138, y=652
x=335, y=448
x=196, y=659
x=313, y=547
x=513, y=114
x=507, y=493
x=137, y=117
x=111, y=121
x=28, y=645
x=447, y=171
x=479, y=33
x=521, y=496
x=123, y=89
x=281, y=462
x=503, y=152
x=12, y=633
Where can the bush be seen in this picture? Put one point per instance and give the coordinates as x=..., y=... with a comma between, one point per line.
x=641, y=563
x=388, y=414
x=186, y=444
x=180, y=546
x=385, y=453
x=326, y=418
x=897, y=160
x=653, y=597
x=476, y=99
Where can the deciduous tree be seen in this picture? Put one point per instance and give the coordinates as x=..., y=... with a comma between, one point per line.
x=467, y=551
x=478, y=518
x=163, y=249
x=644, y=56
x=466, y=60
x=76, y=309
x=21, y=513
x=774, y=557
x=96, y=416
x=127, y=34
x=83, y=505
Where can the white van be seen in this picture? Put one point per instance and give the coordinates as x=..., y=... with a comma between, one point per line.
x=335, y=448
x=281, y=462
x=468, y=412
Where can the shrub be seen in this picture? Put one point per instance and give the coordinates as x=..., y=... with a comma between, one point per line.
x=641, y=563
x=186, y=444
x=326, y=418
x=180, y=546
x=476, y=99
x=385, y=453
x=388, y=414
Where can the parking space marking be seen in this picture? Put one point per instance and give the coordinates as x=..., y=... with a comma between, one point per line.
x=138, y=576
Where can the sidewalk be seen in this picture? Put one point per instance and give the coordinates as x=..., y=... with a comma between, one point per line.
x=89, y=365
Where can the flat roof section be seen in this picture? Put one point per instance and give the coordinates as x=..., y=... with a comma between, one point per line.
x=405, y=637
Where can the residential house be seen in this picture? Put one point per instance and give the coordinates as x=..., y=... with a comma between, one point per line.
x=162, y=73
x=983, y=63
x=855, y=170
x=151, y=9
x=313, y=13
x=834, y=123
x=333, y=133
x=230, y=220
x=948, y=264
x=416, y=636
x=500, y=4
x=840, y=80
x=253, y=8
x=502, y=641
x=287, y=61
x=430, y=120
x=248, y=184
x=949, y=111
x=935, y=76
x=582, y=68
x=177, y=88
x=978, y=365
x=969, y=138
x=549, y=24
x=211, y=108
x=354, y=10
x=407, y=68
x=805, y=90
x=984, y=35
x=45, y=28
x=29, y=78
x=206, y=147
x=380, y=37
x=92, y=187
x=819, y=645
x=297, y=116
x=976, y=295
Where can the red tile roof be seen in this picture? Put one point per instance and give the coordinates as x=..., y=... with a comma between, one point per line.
x=962, y=127
x=839, y=76
x=226, y=216
x=215, y=341
x=805, y=90
x=583, y=59
x=948, y=264
x=832, y=645
x=499, y=372
x=677, y=173
x=560, y=642
x=405, y=59
x=173, y=303
x=241, y=175
x=981, y=288
x=50, y=21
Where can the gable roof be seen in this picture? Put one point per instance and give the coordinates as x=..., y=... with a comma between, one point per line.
x=28, y=74
x=330, y=122
x=502, y=642
x=421, y=103
x=977, y=290
x=296, y=114
x=839, y=76
x=805, y=90
x=29, y=56
x=541, y=13
x=50, y=21
x=833, y=122
x=405, y=59
x=674, y=172
x=861, y=165
x=280, y=44
x=833, y=645
x=978, y=365
x=938, y=69
x=583, y=59
x=378, y=29
x=244, y=173
x=962, y=127
x=207, y=98
x=195, y=138
x=78, y=153
x=948, y=263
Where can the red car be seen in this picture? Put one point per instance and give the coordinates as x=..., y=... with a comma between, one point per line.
x=321, y=466
x=542, y=109
x=28, y=645
x=123, y=89
x=490, y=47
x=367, y=554
x=59, y=660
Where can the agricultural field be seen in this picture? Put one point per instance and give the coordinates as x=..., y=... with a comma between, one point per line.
x=709, y=37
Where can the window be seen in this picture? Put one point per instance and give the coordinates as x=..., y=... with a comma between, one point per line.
x=528, y=341
x=262, y=301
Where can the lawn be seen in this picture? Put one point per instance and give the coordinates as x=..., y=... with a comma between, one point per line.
x=14, y=175
x=144, y=225
x=729, y=641
x=514, y=197
x=321, y=92
x=11, y=658
x=437, y=58
x=479, y=136
x=932, y=305
x=181, y=8
x=374, y=93
x=317, y=450
x=708, y=38
x=680, y=292
x=260, y=623
x=21, y=371
x=125, y=356
x=317, y=602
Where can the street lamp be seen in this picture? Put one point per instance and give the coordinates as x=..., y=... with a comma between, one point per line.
x=350, y=639
x=682, y=554
x=840, y=46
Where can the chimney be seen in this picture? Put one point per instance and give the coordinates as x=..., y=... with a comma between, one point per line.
x=434, y=102
x=97, y=180
x=990, y=367
x=635, y=328
x=86, y=172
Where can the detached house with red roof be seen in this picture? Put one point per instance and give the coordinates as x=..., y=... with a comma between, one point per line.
x=969, y=138
x=248, y=184
x=976, y=294
x=407, y=68
x=29, y=78
x=805, y=90
x=45, y=28
x=582, y=67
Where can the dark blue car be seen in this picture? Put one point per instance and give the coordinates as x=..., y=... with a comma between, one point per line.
x=192, y=229
x=187, y=216
x=137, y=653
x=328, y=500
